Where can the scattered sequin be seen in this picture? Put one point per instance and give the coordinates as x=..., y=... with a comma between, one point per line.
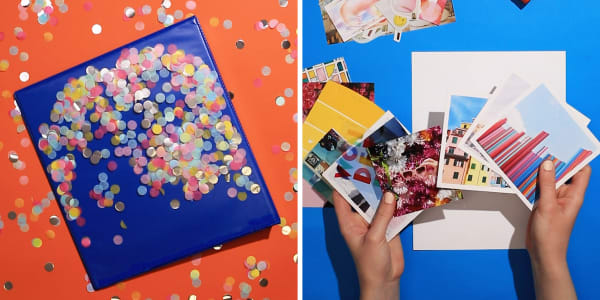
x=8, y=285
x=49, y=267
x=86, y=242
x=285, y=146
x=280, y=101
x=288, y=196
x=117, y=239
x=174, y=204
x=4, y=64
x=96, y=29
x=288, y=92
x=266, y=71
x=240, y=44
x=48, y=36
x=129, y=12
x=139, y=25
x=36, y=242
x=54, y=220
x=190, y=4
x=227, y=24
x=13, y=50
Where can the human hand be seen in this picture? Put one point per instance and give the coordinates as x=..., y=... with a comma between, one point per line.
x=549, y=229
x=379, y=263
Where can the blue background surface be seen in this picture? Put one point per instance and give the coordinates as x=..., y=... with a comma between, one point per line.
x=571, y=26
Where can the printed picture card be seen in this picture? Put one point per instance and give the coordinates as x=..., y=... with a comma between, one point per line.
x=312, y=90
x=535, y=128
x=408, y=167
x=353, y=175
x=352, y=16
x=459, y=170
x=341, y=109
x=334, y=70
x=503, y=96
x=326, y=152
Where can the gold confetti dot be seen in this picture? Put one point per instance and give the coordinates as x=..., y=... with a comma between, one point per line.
x=242, y=196
x=48, y=36
x=174, y=204
x=4, y=65
x=214, y=21
x=246, y=171
x=50, y=234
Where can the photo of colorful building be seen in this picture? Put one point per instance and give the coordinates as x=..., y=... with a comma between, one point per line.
x=459, y=167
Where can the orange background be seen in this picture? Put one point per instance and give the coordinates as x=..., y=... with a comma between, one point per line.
x=266, y=125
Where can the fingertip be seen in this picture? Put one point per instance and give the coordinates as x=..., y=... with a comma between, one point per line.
x=548, y=166
x=388, y=198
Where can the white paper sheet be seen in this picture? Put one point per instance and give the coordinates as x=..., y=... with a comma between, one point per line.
x=481, y=220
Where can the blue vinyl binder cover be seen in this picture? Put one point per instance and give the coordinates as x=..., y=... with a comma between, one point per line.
x=145, y=154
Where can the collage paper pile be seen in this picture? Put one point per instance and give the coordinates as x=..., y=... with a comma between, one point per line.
x=364, y=20
x=353, y=146
x=494, y=143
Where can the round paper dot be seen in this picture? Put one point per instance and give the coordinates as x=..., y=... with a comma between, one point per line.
x=50, y=234
x=194, y=274
x=86, y=242
x=87, y=5
x=214, y=21
x=118, y=239
x=288, y=92
x=178, y=14
x=24, y=56
x=23, y=180
x=227, y=24
x=36, y=242
x=4, y=64
x=266, y=71
x=257, y=82
x=13, y=50
x=280, y=101
x=96, y=29
x=8, y=285
x=146, y=9
x=19, y=202
x=48, y=36
x=190, y=4
x=288, y=196
x=139, y=25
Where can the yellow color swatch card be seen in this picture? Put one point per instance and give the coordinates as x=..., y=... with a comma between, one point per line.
x=342, y=109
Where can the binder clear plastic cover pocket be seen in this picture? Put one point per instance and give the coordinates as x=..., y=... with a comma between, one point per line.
x=145, y=155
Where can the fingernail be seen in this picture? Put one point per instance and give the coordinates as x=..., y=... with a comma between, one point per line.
x=548, y=165
x=388, y=198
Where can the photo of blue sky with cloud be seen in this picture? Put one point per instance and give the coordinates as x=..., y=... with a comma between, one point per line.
x=463, y=109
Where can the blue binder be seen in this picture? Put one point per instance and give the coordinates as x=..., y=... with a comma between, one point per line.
x=185, y=178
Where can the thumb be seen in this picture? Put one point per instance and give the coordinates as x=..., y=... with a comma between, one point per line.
x=382, y=218
x=547, y=184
